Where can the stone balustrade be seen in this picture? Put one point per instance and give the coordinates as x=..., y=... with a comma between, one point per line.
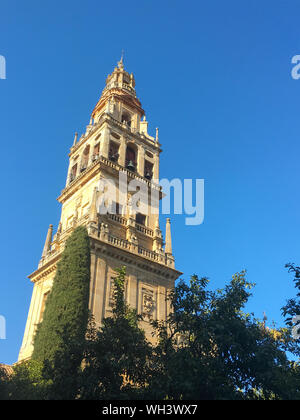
x=117, y=218
x=143, y=229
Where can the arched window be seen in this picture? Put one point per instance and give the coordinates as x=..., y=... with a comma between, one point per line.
x=85, y=158
x=148, y=172
x=130, y=161
x=73, y=172
x=113, y=151
x=96, y=152
x=126, y=118
x=140, y=219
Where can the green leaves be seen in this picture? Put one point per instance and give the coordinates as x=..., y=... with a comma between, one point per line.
x=66, y=312
x=289, y=311
x=207, y=349
x=117, y=360
x=224, y=353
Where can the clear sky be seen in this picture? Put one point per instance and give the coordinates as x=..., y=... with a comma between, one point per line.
x=214, y=76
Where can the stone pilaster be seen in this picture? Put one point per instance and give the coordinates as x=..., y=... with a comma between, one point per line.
x=141, y=160
x=104, y=144
x=156, y=167
x=122, y=151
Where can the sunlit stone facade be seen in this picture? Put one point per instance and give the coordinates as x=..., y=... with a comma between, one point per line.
x=116, y=141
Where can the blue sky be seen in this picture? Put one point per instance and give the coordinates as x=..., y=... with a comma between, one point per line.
x=214, y=76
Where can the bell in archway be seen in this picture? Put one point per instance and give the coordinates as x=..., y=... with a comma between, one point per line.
x=131, y=166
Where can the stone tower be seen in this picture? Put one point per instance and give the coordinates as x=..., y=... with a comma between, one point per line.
x=116, y=143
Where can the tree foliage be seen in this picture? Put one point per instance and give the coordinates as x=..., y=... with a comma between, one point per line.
x=4, y=381
x=290, y=310
x=208, y=349
x=66, y=312
x=117, y=360
x=223, y=353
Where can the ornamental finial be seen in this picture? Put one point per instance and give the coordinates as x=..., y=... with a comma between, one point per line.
x=75, y=139
x=168, y=245
x=120, y=63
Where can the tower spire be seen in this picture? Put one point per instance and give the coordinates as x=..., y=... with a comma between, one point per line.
x=48, y=241
x=168, y=247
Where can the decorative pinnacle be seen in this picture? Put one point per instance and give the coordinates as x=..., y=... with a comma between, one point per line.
x=93, y=216
x=168, y=247
x=75, y=139
x=156, y=138
x=120, y=63
x=48, y=241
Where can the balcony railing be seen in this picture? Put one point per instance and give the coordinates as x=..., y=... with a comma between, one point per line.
x=144, y=229
x=117, y=218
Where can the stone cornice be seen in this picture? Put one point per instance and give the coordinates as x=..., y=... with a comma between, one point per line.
x=128, y=257
x=80, y=180
x=46, y=269
x=85, y=138
x=139, y=137
x=115, y=251
x=123, y=95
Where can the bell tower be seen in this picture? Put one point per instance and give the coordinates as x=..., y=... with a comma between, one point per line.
x=116, y=146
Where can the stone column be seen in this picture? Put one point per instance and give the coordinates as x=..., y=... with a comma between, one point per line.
x=122, y=152
x=104, y=144
x=141, y=160
x=132, y=291
x=91, y=153
x=156, y=168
